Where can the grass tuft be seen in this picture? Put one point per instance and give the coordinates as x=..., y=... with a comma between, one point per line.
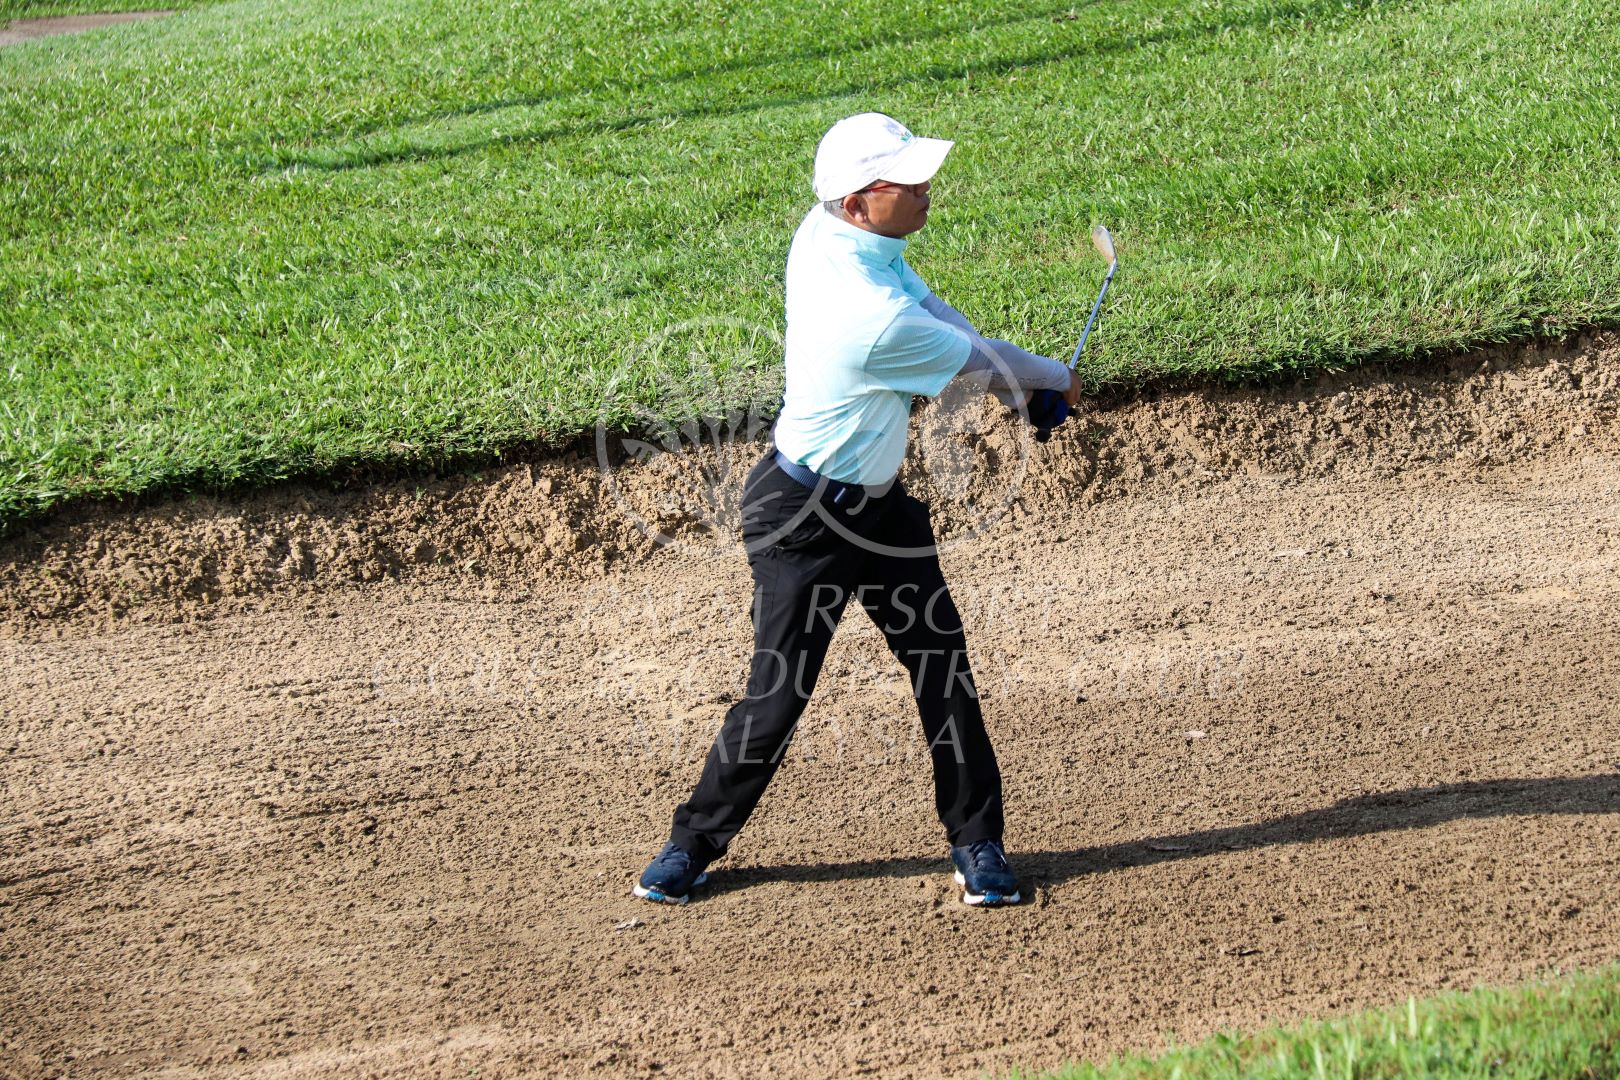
x=1560, y=1029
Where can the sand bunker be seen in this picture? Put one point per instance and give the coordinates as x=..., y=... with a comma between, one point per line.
x=1306, y=699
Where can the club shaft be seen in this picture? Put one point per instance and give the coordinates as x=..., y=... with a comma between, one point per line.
x=1094, y=309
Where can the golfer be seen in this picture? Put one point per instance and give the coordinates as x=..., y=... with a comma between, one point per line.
x=826, y=521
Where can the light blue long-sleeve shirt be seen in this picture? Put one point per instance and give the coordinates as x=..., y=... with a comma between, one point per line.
x=861, y=343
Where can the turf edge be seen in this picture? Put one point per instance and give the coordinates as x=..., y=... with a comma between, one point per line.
x=1559, y=1026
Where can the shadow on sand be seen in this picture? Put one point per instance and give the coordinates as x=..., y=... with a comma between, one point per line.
x=1414, y=808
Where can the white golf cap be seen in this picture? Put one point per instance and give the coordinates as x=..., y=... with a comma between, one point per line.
x=870, y=146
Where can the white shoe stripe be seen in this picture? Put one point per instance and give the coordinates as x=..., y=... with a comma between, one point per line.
x=657, y=897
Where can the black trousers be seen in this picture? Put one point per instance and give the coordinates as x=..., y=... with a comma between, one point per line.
x=809, y=560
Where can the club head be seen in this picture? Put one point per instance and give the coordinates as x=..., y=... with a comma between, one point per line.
x=1103, y=240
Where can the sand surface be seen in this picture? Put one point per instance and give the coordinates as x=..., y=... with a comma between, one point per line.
x=27, y=29
x=1307, y=699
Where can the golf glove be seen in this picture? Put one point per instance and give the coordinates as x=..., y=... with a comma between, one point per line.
x=1047, y=410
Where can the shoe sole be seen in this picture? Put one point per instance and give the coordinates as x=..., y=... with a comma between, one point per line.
x=658, y=896
x=987, y=899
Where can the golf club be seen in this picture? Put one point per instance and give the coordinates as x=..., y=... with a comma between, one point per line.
x=1103, y=241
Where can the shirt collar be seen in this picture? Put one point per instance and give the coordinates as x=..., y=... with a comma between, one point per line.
x=869, y=247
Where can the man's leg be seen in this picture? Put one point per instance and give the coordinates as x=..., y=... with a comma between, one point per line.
x=911, y=605
x=801, y=584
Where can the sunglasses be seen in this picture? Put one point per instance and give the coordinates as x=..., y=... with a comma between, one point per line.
x=916, y=190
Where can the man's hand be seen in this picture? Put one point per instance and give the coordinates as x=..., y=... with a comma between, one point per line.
x=1049, y=408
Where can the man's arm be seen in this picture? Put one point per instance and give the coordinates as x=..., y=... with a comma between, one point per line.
x=1000, y=365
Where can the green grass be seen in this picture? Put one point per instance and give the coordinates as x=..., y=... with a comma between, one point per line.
x=283, y=238
x=1566, y=1029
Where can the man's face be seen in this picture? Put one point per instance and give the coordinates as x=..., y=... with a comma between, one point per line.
x=889, y=209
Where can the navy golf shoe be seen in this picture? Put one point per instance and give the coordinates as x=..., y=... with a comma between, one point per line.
x=671, y=876
x=983, y=873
